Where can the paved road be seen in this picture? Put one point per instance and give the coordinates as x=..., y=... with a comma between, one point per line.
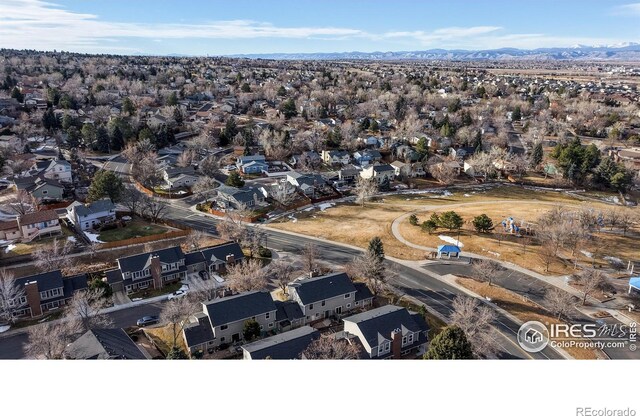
x=535, y=290
x=438, y=295
x=12, y=347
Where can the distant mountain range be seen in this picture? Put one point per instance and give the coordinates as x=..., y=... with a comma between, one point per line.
x=629, y=51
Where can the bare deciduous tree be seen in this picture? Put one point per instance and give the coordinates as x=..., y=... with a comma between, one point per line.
x=153, y=207
x=132, y=199
x=560, y=302
x=282, y=272
x=10, y=296
x=329, y=348
x=283, y=193
x=485, y=270
x=22, y=203
x=194, y=240
x=53, y=256
x=475, y=320
x=49, y=340
x=309, y=257
x=246, y=276
x=443, y=173
x=365, y=189
x=590, y=280
x=205, y=187
x=175, y=314
x=85, y=306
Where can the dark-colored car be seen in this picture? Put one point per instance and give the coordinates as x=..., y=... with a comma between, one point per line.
x=147, y=320
x=203, y=274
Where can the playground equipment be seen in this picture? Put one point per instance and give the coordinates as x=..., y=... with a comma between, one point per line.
x=511, y=227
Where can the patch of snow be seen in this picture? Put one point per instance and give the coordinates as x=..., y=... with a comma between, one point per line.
x=326, y=205
x=4, y=328
x=586, y=253
x=9, y=248
x=71, y=239
x=494, y=253
x=451, y=240
x=292, y=218
x=309, y=209
x=467, y=195
x=613, y=199
x=447, y=193
x=93, y=237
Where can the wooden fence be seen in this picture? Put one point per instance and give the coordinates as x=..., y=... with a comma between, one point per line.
x=143, y=240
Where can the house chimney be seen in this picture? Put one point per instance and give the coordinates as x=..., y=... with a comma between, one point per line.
x=231, y=259
x=156, y=271
x=396, y=343
x=33, y=298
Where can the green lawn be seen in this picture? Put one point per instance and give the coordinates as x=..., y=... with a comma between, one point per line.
x=133, y=229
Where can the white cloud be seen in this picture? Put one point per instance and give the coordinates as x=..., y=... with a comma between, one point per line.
x=631, y=9
x=38, y=24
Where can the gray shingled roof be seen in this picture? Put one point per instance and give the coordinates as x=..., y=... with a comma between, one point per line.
x=239, y=307
x=46, y=281
x=284, y=346
x=105, y=344
x=199, y=334
x=377, y=324
x=142, y=261
x=95, y=207
x=323, y=287
x=222, y=251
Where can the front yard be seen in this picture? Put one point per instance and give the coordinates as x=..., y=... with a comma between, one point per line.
x=132, y=229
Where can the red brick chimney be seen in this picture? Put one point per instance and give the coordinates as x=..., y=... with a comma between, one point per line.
x=396, y=343
x=156, y=271
x=33, y=298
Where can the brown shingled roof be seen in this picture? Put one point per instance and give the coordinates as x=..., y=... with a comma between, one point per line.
x=40, y=216
x=8, y=225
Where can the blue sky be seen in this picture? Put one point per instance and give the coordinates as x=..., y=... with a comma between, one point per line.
x=199, y=27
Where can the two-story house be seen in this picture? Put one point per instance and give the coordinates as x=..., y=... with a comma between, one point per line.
x=380, y=173
x=389, y=332
x=222, y=320
x=38, y=224
x=154, y=269
x=309, y=183
x=332, y=295
x=59, y=170
x=214, y=259
x=88, y=216
x=335, y=157
x=367, y=157
x=252, y=164
x=46, y=291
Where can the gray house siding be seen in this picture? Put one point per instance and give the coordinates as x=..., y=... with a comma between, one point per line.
x=332, y=307
x=232, y=332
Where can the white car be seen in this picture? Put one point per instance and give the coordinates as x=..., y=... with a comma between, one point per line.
x=178, y=293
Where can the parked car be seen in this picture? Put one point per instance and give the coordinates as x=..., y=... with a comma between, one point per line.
x=179, y=293
x=203, y=274
x=147, y=320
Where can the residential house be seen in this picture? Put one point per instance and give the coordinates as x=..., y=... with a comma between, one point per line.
x=157, y=121
x=461, y=152
x=309, y=158
x=254, y=164
x=349, y=173
x=9, y=231
x=38, y=224
x=505, y=166
x=222, y=320
x=214, y=259
x=367, y=157
x=407, y=153
x=389, y=332
x=59, y=170
x=238, y=198
x=401, y=169
x=327, y=296
x=178, y=177
x=308, y=183
x=89, y=216
x=148, y=270
x=45, y=292
x=336, y=157
x=417, y=170
x=288, y=315
x=285, y=346
x=381, y=173
x=105, y=344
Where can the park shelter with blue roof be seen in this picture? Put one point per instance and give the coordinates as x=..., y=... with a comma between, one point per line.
x=634, y=283
x=449, y=250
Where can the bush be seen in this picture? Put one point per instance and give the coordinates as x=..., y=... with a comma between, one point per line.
x=413, y=219
x=264, y=252
x=98, y=283
x=429, y=226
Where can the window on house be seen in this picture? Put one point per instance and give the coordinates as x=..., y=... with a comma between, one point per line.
x=357, y=302
x=266, y=315
x=270, y=324
x=310, y=306
x=323, y=303
x=222, y=339
x=348, y=305
x=410, y=338
x=347, y=296
x=404, y=340
x=223, y=327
